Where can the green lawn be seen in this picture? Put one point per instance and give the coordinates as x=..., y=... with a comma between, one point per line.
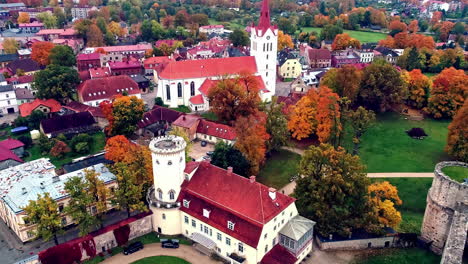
x=99, y=141
x=279, y=168
x=456, y=173
x=387, y=148
x=362, y=36
x=413, y=193
x=231, y=25
x=161, y=260
x=182, y=108
x=210, y=116
x=399, y=256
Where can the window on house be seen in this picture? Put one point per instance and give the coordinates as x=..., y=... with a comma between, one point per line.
x=228, y=241
x=160, y=194
x=241, y=247
x=179, y=90
x=60, y=207
x=171, y=195
x=93, y=210
x=168, y=92
x=192, y=88
x=266, y=249
x=219, y=237
x=230, y=225
x=186, y=219
x=194, y=224
x=206, y=213
x=164, y=216
x=205, y=229
x=186, y=203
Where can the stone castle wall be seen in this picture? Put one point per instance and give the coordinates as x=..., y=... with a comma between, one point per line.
x=447, y=203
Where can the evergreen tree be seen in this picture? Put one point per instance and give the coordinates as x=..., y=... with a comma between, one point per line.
x=414, y=61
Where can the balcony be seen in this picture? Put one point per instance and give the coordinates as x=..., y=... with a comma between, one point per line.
x=154, y=202
x=236, y=258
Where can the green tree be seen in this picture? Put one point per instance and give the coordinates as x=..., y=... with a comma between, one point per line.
x=276, y=125
x=79, y=205
x=62, y=55
x=329, y=32
x=332, y=190
x=32, y=121
x=414, y=60
x=177, y=131
x=128, y=194
x=239, y=38
x=126, y=111
x=56, y=82
x=44, y=213
x=80, y=143
x=360, y=120
x=225, y=155
x=96, y=188
x=49, y=20
x=286, y=25
x=381, y=87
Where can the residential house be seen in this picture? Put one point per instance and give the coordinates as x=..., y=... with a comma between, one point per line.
x=311, y=78
x=24, y=95
x=12, y=6
x=288, y=65
x=142, y=81
x=33, y=12
x=26, y=66
x=344, y=57
x=101, y=72
x=93, y=92
x=365, y=55
x=326, y=44
x=49, y=107
x=155, y=122
x=155, y=65
x=24, y=81
x=318, y=58
x=8, y=104
x=32, y=27
x=82, y=12
x=6, y=59
x=137, y=50
x=127, y=67
x=95, y=111
x=86, y=61
x=57, y=33
x=388, y=54
x=189, y=124
x=22, y=183
x=11, y=151
x=112, y=57
x=24, y=53
x=82, y=122
x=214, y=132
x=75, y=44
x=210, y=29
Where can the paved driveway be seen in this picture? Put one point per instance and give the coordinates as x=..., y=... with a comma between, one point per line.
x=197, y=151
x=185, y=252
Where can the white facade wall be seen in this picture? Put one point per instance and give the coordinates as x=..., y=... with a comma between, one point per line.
x=366, y=57
x=168, y=173
x=213, y=139
x=264, y=49
x=7, y=101
x=173, y=84
x=167, y=221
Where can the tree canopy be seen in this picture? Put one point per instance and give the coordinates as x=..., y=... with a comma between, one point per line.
x=62, y=55
x=56, y=82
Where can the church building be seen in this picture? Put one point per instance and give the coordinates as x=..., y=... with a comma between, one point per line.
x=238, y=218
x=180, y=81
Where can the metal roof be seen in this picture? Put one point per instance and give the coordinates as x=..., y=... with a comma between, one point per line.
x=297, y=227
x=22, y=183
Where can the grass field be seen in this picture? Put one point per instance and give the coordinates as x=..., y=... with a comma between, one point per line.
x=161, y=260
x=456, y=173
x=387, y=148
x=399, y=256
x=231, y=25
x=362, y=36
x=279, y=168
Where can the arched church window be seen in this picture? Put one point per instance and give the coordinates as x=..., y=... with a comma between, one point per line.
x=192, y=88
x=179, y=90
x=168, y=92
x=160, y=194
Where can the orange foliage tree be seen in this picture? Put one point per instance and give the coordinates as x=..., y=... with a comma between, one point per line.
x=328, y=116
x=302, y=120
x=413, y=26
x=343, y=41
x=457, y=140
x=251, y=139
x=41, y=51
x=419, y=86
x=444, y=29
x=23, y=17
x=396, y=26
x=449, y=90
x=388, y=42
x=122, y=114
x=383, y=197
x=436, y=17
x=284, y=41
x=94, y=36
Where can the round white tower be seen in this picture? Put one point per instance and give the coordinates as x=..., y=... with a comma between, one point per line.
x=168, y=155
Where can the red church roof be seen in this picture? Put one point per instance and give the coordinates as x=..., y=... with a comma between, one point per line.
x=231, y=197
x=107, y=88
x=278, y=255
x=209, y=68
x=27, y=108
x=216, y=130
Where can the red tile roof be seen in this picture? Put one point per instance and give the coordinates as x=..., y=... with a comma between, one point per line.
x=21, y=79
x=319, y=54
x=124, y=64
x=88, y=56
x=80, y=107
x=152, y=62
x=107, y=88
x=191, y=166
x=75, y=121
x=216, y=130
x=231, y=197
x=159, y=113
x=6, y=154
x=33, y=24
x=57, y=31
x=99, y=72
x=27, y=108
x=186, y=121
x=278, y=255
x=212, y=26
x=209, y=68
x=137, y=47
x=197, y=99
x=11, y=144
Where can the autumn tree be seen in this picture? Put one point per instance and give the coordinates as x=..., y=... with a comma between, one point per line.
x=457, y=140
x=443, y=30
x=41, y=51
x=251, y=139
x=396, y=26
x=79, y=205
x=59, y=149
x=235, y=97
x=328, y=116
x=56, y=82
x=360, y=120
x=97, y=190
x=44, y=213
x=284, y=41
x=302, y=121
x=338, y=79
x=10, y=46
x=436, y=17
x=381, y=87
x=62, y=55
x=413, y=26
x=383, y=197
x=129, y=194
x=343, y=41
x=123, y=115
x=388, y=42
x=419, y=87
x=333, y=190
x=276, y=125
x=448, y=94
x=94, y=36
x=23, y=17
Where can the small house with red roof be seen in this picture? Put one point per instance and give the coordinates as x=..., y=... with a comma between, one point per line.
x=127, y=67
x=100, y=72
x=11, y=151
x=317, y=58
x=93, y=92
x=214, y=132
x=137, y=50
x=57, y=33
x=189, y=124
x=32, y=27
x=211, y=29
x=86, y=61
x=49, y=107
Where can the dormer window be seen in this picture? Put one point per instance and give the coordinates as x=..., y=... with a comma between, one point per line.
x=206, y=213
x=171, y=194
x=186, y=203
x=230, y=225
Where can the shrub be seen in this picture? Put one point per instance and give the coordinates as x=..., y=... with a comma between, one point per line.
x=82, y=147
x=158, y=101
x=80, y=143
x=27, y=141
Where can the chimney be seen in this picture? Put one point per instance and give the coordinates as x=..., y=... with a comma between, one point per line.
x=252, y=179
x=229, y=170
x=183, y=117
x=272, y=193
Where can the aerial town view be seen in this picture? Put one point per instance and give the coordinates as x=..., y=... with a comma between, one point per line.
x=234, y=131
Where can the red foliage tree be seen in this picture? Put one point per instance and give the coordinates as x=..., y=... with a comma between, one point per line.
x=457, y=140
x=388, y=42
x=122, y=234
x=59, y=149
x=413, y=26
x=89, y=246
x=64, y=254
x=398, y=26
x=436, y=17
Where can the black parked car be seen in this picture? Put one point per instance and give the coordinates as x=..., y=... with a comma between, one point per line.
x=132, y=248
x=169, y=243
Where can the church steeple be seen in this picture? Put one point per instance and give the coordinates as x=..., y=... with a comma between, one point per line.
x=264, y=21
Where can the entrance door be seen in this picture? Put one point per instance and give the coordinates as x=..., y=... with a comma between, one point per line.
x=11, y=110
x=159, y=230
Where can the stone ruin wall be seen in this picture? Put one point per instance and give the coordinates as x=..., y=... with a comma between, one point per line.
x=446, y=212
